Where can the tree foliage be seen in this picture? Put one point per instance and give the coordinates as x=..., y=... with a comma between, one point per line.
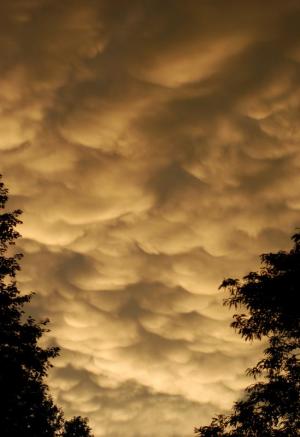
x=26, y=407
x=269, y=305
x=77, y=427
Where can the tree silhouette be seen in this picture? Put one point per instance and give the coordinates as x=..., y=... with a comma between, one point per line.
x=26, y=407
x=269, y=300
x=77, y=427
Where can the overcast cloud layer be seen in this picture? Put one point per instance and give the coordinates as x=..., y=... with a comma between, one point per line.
x=154, y=147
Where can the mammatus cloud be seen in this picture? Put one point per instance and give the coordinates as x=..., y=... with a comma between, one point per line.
x=154, y=149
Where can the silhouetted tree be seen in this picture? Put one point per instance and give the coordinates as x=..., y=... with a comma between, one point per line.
x=26, y=407
x=77, y=427
x=269, y=300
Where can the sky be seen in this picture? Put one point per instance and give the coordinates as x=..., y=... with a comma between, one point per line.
x=154, y=147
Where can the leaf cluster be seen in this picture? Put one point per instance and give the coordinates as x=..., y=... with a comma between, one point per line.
x=268, y=301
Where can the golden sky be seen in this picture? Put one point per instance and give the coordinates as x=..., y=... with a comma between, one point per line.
x=154, y=146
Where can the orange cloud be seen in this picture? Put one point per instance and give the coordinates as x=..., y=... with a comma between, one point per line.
x=154, y=149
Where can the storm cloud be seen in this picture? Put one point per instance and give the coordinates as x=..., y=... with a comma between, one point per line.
x=154, y=149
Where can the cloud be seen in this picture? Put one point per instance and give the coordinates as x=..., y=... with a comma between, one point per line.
x=154, y=149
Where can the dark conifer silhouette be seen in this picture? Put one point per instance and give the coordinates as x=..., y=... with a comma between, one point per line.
x=26, y=407
x=269, y=300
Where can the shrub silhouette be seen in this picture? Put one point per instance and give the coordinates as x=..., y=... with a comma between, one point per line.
x=77, y=427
